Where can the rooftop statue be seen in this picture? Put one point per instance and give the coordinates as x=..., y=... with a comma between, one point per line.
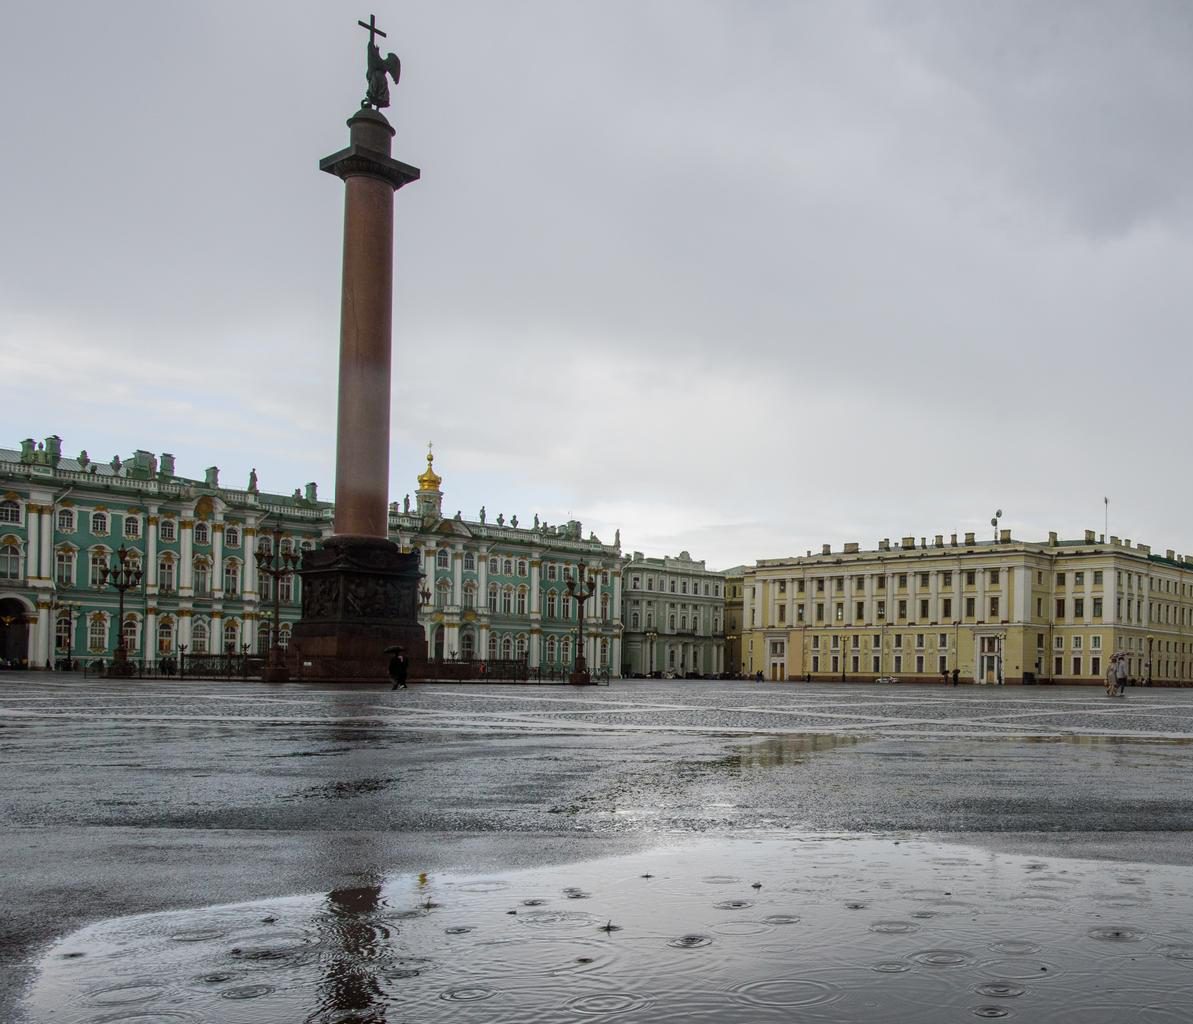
x=378, y=67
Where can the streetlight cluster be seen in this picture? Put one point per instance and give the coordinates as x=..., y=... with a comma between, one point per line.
x=124, y=574
x=278, y=565
x=580, y=589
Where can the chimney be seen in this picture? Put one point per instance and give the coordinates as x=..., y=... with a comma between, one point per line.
x=953, y=539
x=213, y=476
x=1004, y=536
x=884, y=544
x=1052, y=538
x=851, y=549
x=1126, y=542
x=940, y=540
x=1144, y=549
x=167, y=466
x=27, y=450
x=1170, y=555
x=908, y=542
x=969, y=538
x=923, y=543
x=826, y=549
x=54, y=449
x=312, y=492
x=1114, y=540
x=1090, y=537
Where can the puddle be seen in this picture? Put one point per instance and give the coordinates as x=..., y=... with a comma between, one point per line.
x=701, y=942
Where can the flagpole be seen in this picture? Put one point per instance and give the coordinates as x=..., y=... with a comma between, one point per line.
x=1106, y=527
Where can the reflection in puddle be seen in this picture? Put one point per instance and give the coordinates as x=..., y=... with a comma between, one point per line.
x=772, y=751
x=514, y=950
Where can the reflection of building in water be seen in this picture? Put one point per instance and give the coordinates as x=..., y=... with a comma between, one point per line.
x=777, y=750
x=997, y=610
x=353, y=941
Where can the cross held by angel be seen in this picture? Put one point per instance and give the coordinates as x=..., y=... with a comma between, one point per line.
x=377, y=95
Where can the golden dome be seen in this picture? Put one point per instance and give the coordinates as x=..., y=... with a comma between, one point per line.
x=430, y=480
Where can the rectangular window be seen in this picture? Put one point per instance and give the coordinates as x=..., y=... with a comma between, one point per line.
x=923, y=609
x=1060, y=607
x=942, y=640
x=1076, y=643
x=856, y=662
x=1079, y=607
x=782, y=613
x=919, y=664
x=1097, y=577
x=860, y=611
x=946, y=579
x=855, y=641
x=971, y=578
x=898, y=662
x=782, y=586
x=820, y=584
x=839, y=612
x=898, y=641
x=880, y=582
x=819, y=611
x=876, y=663
x=815, y=643
x=946, y=608
x=942, y=663
x=969, y=605
x=993, y=577
x=994, y=607
x=902, y=609
x=1060, y=579
x=1095, y=666
x=1058, y=666
x=919, y=640
x=1039, y=641
x=1077, y=664
x=799, y=587
x=799, y=613
x=815, y=662
x=902, y=581
x=880, y=610
x=834, y=642
x=1095, y=642
x=1079, y=579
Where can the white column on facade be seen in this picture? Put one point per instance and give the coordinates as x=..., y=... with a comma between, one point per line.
x=248, y=581
x=47, y=542
x=217, y=559
x=248, y=631
x=535, y=596
x=39, y=642
x=1088, y=598
x=1110, y=592
x=1020, y=612
x=981, y=608
x=533, y=658
x=183, y=633
x=33, y=542
x=151, y=521
x=149, y=634
x=186, y=571
x=482, y=641
x=934, y=595
x=615, y=609
x=482, y=586
x=458, y=576
x=615, y=656
x=747, y=605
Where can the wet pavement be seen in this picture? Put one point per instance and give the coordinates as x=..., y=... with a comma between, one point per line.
x=123, y=798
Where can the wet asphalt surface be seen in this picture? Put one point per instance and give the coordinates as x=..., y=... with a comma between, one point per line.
x=121, y=798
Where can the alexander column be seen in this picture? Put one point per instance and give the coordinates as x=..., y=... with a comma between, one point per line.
x=359, y=592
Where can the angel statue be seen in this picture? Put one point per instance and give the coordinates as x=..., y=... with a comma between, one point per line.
x=379, y=67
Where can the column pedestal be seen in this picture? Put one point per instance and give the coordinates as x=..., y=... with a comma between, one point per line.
x=359, y=596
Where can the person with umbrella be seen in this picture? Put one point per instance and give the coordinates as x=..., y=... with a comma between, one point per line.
x=397, y=667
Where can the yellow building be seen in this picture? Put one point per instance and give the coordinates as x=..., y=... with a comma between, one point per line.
x=733, y=618
x=997, y=611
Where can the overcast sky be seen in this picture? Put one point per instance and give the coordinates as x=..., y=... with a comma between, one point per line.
x=741, y=278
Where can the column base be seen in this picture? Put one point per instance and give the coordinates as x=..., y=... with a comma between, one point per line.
x=359, y=597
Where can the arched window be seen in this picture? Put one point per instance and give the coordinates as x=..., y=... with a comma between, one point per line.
x=231, y=636
x=263, y=638
x=165, y=636
x=467, y=645
x=202, y=533
x=97, y=633
x=469, y=562
x=443, y=559
x=286, y=546
x=10, y=562
x=165, y=575
x=167, y=529
x=199, y=638
x=132, y=527
x=265, y=545
x=565, y=650
x=99, y=523
x=492, y=647
x=520, y=647
x=633, y=620
x=442, y=594
x=66, y=520
x=469, y=595
x=507, y=648
x=604, y=606
x=552, y=604
x=671, y=622
x=284, y=635
x=493, y=597
x=62, y=637
x=10, y=512
x=493, y=566
x=551, y=649
x=232, y=537
x=286, y=590
x=202, y=579
x=521, y=600
x=130, y=632
x=521, y=567
x=99, y=560
x=507, y=567
x=507, y=601
x=604, y=652
x=64, y=566
x=231, y=578
x=551, y=571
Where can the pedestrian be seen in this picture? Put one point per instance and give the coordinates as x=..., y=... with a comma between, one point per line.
x=1111, y=678
x=956, y=675
x=945, y=674
x=397, y=668
x=1120, y=676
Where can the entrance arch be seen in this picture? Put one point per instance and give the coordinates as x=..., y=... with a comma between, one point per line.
x=14, y=631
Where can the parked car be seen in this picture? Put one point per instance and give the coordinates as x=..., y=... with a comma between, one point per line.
x=887, y=679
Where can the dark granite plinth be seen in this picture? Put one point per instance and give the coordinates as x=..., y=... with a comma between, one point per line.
x=359, y=596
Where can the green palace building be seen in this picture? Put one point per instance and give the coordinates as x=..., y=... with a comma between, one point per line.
x=492, y=588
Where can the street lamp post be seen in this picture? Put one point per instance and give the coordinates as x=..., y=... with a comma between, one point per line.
x=651, y=636
x=69, y=607
x=124, y=574
x=1150, y=640
x=580, y=589
x=278, y=566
